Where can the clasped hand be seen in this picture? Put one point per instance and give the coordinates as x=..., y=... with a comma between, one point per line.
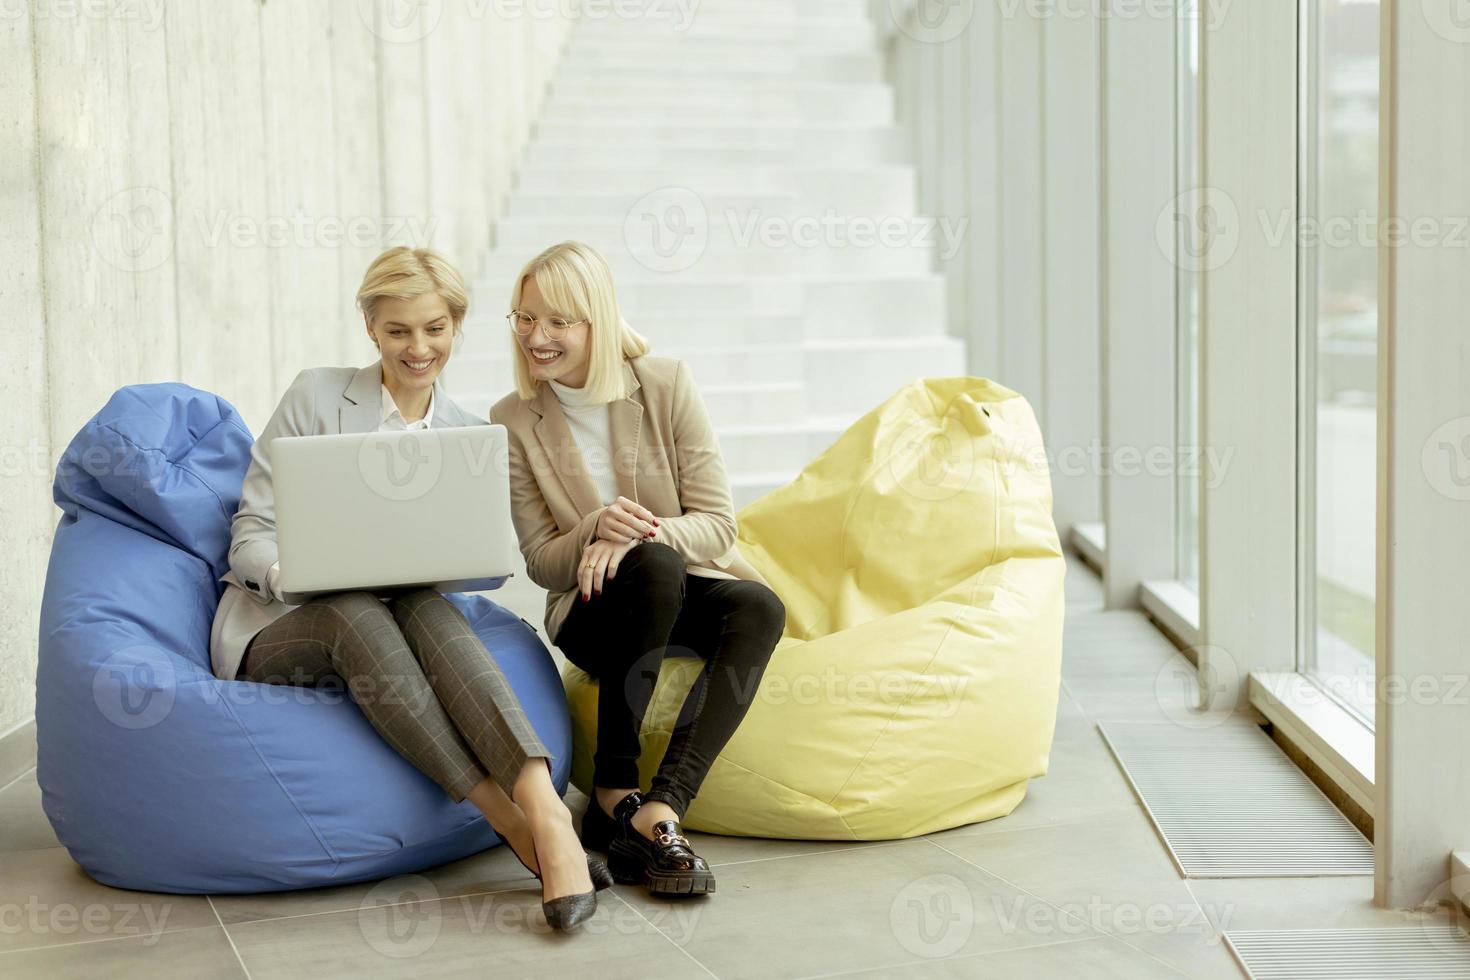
x=623, y=524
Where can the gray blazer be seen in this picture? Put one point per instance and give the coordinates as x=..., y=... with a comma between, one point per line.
x=321, y=401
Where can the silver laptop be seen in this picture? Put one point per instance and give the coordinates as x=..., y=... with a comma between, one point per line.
x=383, y=511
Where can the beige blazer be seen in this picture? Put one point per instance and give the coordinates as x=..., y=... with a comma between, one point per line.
x=665, y=457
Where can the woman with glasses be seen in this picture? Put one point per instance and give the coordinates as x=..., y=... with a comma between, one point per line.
x=624, y=514
x=413, y=664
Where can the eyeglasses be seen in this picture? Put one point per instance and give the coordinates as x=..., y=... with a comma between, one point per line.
x=556, y=327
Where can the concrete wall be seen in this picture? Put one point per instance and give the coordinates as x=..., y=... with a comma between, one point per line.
x=192, y=192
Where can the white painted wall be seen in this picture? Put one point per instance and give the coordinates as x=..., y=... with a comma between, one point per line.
x=1001, y=104
x=1423, y=459
x=192, y=192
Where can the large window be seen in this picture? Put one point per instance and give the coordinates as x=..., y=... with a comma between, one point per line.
x=1187, y=437
x=1338, y=332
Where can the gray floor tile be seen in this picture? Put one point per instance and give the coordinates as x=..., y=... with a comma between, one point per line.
x=1103, y=958
x=23, y=824
x=55, y=902
x=1114, y=873
x=903, y=903
x=1336, y=902
x=494, y=869
x=496, y=935
x=199, y=954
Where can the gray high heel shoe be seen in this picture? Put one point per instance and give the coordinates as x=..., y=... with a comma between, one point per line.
x=597, y=869
x=569, y=910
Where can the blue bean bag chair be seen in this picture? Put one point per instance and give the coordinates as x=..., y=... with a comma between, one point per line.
x=158, y=776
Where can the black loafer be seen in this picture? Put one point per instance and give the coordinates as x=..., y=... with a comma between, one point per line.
x=665, y=865
x=598, y=828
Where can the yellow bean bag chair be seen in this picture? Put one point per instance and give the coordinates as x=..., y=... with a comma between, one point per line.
x=915, y=687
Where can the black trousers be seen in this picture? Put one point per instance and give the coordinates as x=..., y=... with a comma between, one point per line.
x=651, y=609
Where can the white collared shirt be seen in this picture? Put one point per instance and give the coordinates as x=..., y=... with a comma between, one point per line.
x=391, y=420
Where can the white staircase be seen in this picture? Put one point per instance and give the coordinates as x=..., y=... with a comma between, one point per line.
x=747, y=182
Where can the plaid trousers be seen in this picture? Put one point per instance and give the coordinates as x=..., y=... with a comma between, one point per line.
x=419, y=673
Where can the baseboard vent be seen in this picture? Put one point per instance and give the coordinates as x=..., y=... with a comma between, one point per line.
x=1407, y=952
x=1228, y=803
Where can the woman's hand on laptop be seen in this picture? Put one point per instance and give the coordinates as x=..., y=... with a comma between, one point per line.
x=600, y=560
x=626, y=520
x=273, y=581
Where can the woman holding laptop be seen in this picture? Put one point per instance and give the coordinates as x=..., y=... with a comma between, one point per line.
x=413, y=664
x=624, y=514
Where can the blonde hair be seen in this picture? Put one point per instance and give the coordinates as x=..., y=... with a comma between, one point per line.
x=408, y=273
x=577, y=283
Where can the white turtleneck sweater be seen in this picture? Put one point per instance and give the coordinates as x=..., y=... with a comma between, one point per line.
x=588, y=422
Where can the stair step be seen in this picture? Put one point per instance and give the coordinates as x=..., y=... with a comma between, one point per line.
x=849, y=143
x=700, y=154
x=883, y=183
x=838, y=377
x=665, y=109
x=753, y=92
x=859, y=67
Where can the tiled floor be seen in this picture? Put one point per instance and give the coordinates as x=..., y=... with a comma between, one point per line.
x=1073, y=884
